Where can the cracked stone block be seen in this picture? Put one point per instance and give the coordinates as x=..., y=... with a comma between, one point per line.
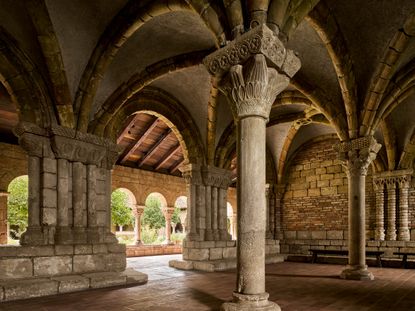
x=22, y=289
x=106, y=279
x=49, y=266
x=71, y=283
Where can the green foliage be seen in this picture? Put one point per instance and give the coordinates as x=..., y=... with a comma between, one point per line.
x=121, y=214
x=17, y=212
x=153, y=216
x=175, y=218
x=177, y=237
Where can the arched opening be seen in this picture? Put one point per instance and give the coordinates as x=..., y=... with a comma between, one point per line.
x=231, y=218
x=17, y=210
x=153, y=222
x=122, y=218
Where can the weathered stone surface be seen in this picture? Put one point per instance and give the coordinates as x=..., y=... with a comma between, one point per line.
x=22, y=289
x=83, y=249
x=116, y=248
x=64, y=250
x=115, y=261
x=15, y=268
x=50, y=266
x=229, y=252
x=335, y=235
x=71, y=283
x=181, y=264
x=88, y=263
x=134, y=277
x=204, y=266
x=106, y=279
x=216, y=253
x=198, y=254
x=99, y=248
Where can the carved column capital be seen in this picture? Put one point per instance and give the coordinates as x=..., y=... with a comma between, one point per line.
x=138, y=210
x=191, y=173
x=216, y=177
x=257, y=67
x=401, y=178
x=356, y=155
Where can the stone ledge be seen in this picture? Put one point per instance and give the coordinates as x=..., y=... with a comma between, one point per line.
x=217, y=265
x=46, y=286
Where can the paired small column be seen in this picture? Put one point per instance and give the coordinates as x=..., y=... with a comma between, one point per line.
x=138, y=211
x=3, y=217
x=380, y=208
x=168, y=214
x=356, y=156
x=391, y=195
x=251, y=87
x=403, y=230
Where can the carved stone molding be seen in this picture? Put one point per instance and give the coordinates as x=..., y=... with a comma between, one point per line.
x=401, y=178
x=257, y=67
x=356, y=155
x=217, y=177
x=191, y=173
x=138, y=210
x=259, y=40
x=65, y=143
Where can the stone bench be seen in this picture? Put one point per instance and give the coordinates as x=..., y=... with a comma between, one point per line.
x=404, y=257
x=317, y=252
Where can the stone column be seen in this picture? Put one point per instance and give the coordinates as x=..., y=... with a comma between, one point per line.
x=168, y=213
x=379, y=186
x=192, y=175
x=138, y=211
x=209, y=236
x=251, y=88
x=391, y=204
x=356, y=156
x=279, y=194
x=222, y=214
x=403, y=230
x=3, y=217
x=63, y=231
x=214, y=210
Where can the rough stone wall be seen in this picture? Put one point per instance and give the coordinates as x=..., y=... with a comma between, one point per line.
x=315, y=204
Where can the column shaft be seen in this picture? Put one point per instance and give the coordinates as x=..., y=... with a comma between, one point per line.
x=209, y=233
x=222, y=215
x=34, y=192
x=357, y=232
x=380, y=205
x=404, y=234
x=214, y=211
x=251, y=205
x=63, y=192
x=391, y=228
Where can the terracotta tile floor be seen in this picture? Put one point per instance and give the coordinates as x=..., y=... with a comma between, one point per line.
x=295, y=286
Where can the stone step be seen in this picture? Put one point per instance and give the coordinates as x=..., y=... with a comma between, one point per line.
x=46, y=286
x=217, y=265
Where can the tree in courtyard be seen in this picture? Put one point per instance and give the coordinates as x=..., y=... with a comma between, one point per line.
x=121, y=214
x=17, y=211
x=153, y=216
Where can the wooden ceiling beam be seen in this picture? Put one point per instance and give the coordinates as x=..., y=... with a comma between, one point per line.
x=145, y=134
x=167, y=156
x=127, y=129
x=176, y=166
x=155, y=147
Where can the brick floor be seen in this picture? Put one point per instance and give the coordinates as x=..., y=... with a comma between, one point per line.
x=295, y=286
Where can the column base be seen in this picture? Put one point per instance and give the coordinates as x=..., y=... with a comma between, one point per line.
x=167, y=242
x=63, y=235
x=138, y=242
x=359, y=273
x=243, y=302
x=33, y=236
x=209, y=235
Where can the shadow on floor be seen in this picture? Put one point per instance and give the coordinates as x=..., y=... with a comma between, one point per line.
x=303, y=276
x=207, y=299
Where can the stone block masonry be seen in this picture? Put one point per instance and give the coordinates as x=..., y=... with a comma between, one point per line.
x=314, y=213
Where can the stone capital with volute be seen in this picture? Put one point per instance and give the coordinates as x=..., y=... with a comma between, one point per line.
x=356, y=155
x=254, y=69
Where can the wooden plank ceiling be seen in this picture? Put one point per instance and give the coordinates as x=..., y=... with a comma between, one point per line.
x=150, y=144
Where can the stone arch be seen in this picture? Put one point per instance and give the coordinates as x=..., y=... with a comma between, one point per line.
x=132, y=201
x=131, y=18
x=163, y=105
x=159, y=196
x=24, y=83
